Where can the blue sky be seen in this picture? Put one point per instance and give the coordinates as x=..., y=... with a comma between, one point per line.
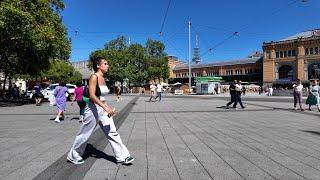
x=92, y=23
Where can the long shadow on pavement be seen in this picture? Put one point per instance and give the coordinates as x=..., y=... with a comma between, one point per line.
x=96, y=153
x=312, y=132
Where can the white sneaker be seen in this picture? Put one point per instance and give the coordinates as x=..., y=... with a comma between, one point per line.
x=128, y=160
x=57, y=120
x=79, y=161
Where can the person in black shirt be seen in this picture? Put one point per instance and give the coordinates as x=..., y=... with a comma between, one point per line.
x=232, y=89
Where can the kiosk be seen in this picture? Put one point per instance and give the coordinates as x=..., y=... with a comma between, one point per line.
x=208, y=85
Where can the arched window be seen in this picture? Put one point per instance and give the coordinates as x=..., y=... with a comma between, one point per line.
x=286, y=73
x=314, y=70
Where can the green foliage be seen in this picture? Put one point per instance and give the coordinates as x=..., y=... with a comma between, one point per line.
x=155, y=48
x=31, y=33
x=61, y=71
x=137, y=63
x=118, y=44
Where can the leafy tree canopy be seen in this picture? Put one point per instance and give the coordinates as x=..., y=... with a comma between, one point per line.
x=118, y=44
x=61, y=71
x=31, y=33
x=136, y=62
x=155, y=48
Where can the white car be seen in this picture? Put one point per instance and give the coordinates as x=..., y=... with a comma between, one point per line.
x=50, y=90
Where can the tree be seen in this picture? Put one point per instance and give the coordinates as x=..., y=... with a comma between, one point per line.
x=61, y=71
x=118, y=44
x=155, y=48
x=158, y=68
x=137, y=63
x=31, y=33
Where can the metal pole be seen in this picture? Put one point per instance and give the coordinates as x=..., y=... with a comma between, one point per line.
x=189, y=58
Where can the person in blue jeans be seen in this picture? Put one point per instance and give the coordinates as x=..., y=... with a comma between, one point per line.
x=159, y=91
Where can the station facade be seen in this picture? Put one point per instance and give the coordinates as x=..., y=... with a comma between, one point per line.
x=281, y=62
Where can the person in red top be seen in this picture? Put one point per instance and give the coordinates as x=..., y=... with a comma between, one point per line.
x=78, y=93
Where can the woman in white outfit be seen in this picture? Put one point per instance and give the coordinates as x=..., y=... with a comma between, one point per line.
x=97, y=111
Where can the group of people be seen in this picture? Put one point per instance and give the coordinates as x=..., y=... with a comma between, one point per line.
x=313, y=95
x=155, y=91
x=235, y=89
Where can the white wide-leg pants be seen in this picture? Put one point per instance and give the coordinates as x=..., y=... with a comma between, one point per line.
x=94, y=115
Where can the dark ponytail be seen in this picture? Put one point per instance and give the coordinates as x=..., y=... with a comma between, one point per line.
x=96, y=61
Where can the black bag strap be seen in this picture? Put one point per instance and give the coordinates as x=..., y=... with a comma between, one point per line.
x=98, y=91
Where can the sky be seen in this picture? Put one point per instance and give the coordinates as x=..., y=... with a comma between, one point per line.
x=92, y=23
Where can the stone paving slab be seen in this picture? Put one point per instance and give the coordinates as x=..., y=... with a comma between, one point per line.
x=177, y=138
x=31, y=142
x=190, y=138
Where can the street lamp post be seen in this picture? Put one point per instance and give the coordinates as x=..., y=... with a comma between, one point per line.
x=189, y=24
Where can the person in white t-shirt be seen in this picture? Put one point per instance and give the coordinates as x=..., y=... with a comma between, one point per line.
x=297, y=94
x=238, y=88
x=152, y=91
x=270, y=91
x=159, y=91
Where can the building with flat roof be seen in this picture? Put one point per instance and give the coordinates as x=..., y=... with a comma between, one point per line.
x=247, y=69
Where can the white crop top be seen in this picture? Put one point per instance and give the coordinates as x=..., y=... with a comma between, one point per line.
x=104, y=91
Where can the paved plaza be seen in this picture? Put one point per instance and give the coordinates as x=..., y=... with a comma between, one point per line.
x=181, y=137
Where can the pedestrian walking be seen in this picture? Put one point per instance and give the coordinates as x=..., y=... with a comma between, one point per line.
x=313, y=98
x=152, y=92
x=98, y=112
x=37, y=94
x=270, y=91
x=61, y=100
x=232, y=90
x=78, y=96
x=297, y=94
x=118, y=92
x=244, y=89
x=238, y=95
x=159, y=91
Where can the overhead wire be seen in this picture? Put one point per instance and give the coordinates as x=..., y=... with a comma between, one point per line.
x=246, y=26
x=272, y=13
x=220, y=43
x=165, y=17
x=171, y=44
x=76, y=32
